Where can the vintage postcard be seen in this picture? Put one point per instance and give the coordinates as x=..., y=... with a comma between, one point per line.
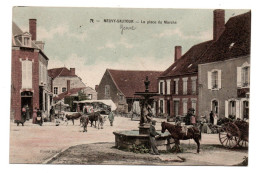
x=130, y=86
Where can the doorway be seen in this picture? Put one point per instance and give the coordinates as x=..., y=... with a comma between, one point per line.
x=215, y=106
x=27, y=100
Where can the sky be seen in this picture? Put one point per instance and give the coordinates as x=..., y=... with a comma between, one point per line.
x=74, y=41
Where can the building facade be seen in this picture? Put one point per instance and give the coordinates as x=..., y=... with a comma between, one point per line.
x=178, y=85
x=121, y=85
x=225, y=78
x=60, y=76
x=29, y=85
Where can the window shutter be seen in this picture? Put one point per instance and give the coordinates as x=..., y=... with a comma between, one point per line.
x=42, y=73
x=237, y=109
x=219, y=79
x=168, y=86
x=209, y=80
x=159, y=88
x=226, y=109
x=163, y=87
x=239, y=77
x=29, y=74
x=45, y=74
x=163, y=108
x=249, y=75
x=23, y=74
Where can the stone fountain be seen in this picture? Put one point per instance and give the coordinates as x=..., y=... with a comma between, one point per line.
x=125, y=139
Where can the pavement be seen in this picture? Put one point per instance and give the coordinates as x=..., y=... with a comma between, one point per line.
x=39, y=144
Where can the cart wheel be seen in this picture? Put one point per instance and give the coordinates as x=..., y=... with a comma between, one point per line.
x=229, y=135
x=243, y=143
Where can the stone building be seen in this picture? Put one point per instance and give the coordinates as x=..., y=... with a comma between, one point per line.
x=67, y=86
x=29, y=84
x=178, y=85
x=60, y=78
x=120, y=86
x=224, y=75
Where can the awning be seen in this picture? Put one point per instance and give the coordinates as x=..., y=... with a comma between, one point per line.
x=106, y=102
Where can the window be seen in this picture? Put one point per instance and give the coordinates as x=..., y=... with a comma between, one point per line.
x=121, y=98
x=194, y=105
x=161, y=106
x=90, y=96
x=214, y=79
x=107, y=90
x=232, y=108
x=246, y=109
x=245, y=76
x=185, y=85
x=63, y=89
x=176, y=108
x=161, y=88
x=26, y=41
x=27, y=74
x=175, y=86
x=55, y=90
x=184, y=107
x=194, y=85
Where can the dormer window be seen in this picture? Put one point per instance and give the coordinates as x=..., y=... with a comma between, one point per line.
x=26, y=41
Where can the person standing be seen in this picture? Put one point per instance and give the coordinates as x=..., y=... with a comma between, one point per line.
x=153, y=135
x=215, y=119
x=27, y=112
x=111, y=117
x=34, y=115
x=39, y=117
x=211, y=117
x=51, y=113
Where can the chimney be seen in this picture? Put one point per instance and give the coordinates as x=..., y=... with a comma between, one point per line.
x=72, y=71
x=218, y=23
x=68, y=86
x=32, y=28
x=96, y=87
x=177, y=53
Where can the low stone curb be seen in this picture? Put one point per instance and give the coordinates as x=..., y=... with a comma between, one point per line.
x=48, y=161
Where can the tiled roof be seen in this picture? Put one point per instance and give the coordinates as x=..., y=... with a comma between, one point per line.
x=67, y=93
x=188, y=63
x=234, y=42
x=130, y=81
x=63, y=71
x=16, y=31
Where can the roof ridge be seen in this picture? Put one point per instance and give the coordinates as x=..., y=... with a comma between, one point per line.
x=135, y=70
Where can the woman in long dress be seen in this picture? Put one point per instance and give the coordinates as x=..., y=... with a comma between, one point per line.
x=34, y=115
x=215, y=119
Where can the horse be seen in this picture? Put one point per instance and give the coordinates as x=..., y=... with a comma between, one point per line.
x=177, y=134
x=73, y=117
x=84, y=121
x=93, y=116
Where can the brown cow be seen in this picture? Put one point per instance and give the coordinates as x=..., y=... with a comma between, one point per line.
x=73, y=116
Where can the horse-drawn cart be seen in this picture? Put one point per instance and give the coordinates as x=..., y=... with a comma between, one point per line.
x=234, y=133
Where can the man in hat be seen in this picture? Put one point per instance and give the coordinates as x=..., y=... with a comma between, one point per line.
x=153, y=134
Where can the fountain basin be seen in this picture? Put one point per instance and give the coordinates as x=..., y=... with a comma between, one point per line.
x=126, y=139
